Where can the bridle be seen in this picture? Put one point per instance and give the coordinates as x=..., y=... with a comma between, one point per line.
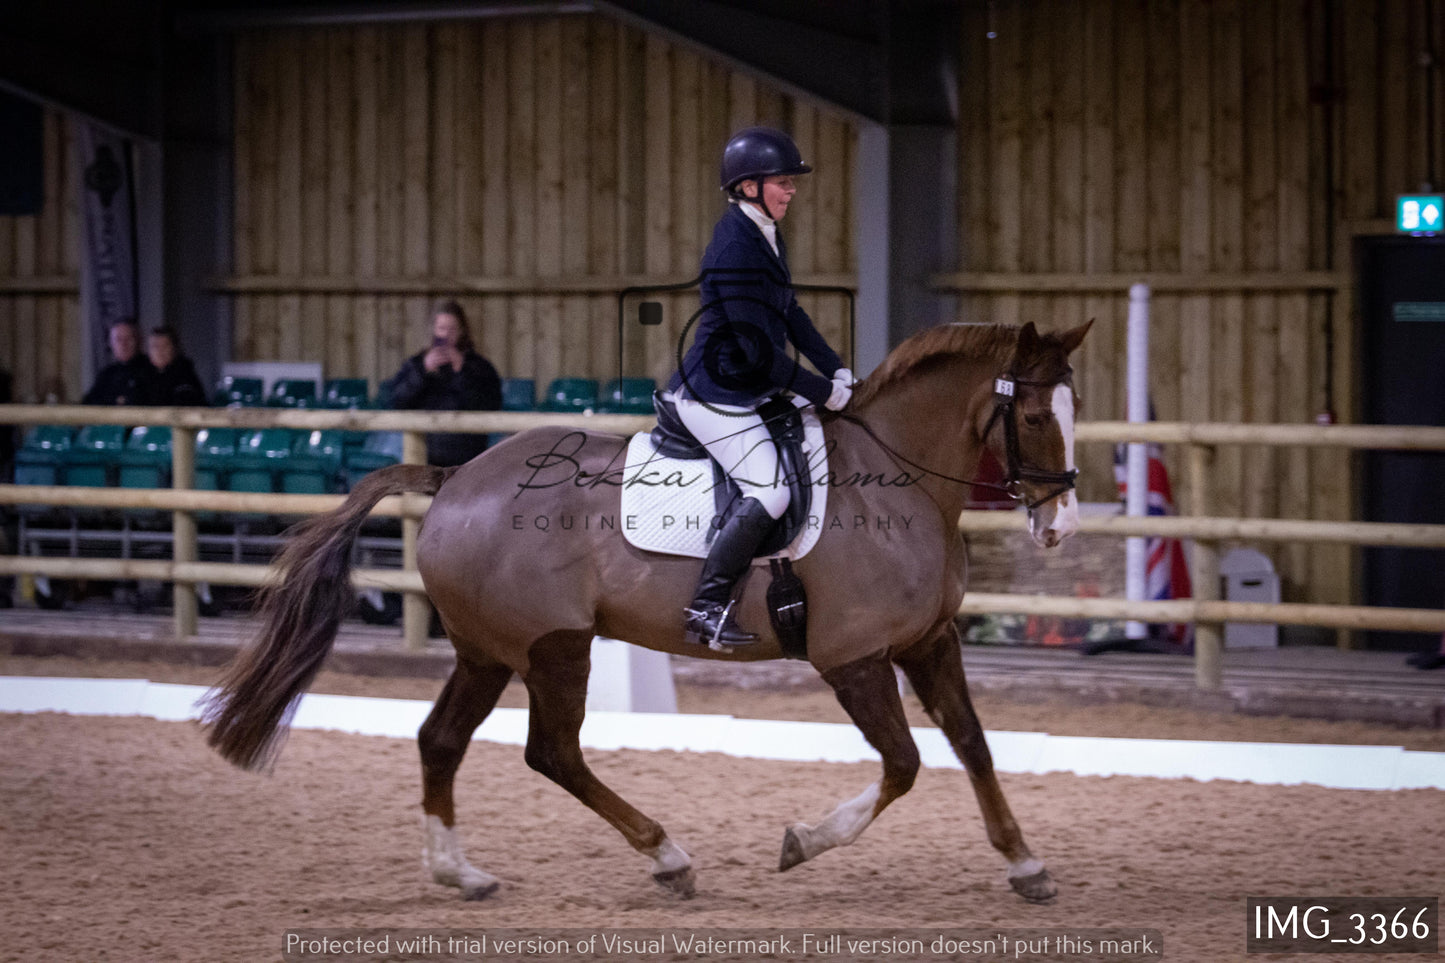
x=1015, y=471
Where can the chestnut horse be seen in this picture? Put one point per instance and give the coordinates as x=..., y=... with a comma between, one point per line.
x=516, y=599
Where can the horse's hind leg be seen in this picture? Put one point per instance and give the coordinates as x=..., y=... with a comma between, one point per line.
x=935, y=668
x=868, y=691
x=557, y=683
x=468, y=697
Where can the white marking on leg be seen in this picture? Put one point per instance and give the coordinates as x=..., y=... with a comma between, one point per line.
x=841, y=826
x=1025, y=867
x=668, y=857
x=443, y=858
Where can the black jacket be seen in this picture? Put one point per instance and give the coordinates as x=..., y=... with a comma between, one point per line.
x=124, y=383
x=177, y=384
x=740, y=350
x=474, y=388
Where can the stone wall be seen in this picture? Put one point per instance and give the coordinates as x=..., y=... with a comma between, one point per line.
x=1085, y=566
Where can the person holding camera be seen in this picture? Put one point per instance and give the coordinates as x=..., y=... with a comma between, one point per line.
x=448, y=376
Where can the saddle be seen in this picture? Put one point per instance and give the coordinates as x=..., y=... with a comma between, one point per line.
x=785, y=423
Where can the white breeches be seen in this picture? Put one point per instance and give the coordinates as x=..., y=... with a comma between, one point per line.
x=741, y=443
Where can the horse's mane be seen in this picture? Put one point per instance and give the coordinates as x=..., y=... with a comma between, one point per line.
x=983, y=341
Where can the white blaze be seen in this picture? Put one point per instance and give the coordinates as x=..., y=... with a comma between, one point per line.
x=1066, y=515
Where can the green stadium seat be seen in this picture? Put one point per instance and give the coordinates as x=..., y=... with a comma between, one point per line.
x=314, y=464
x=571, y=394
x=345, y=393
x=260, y=456
x=145, y=462
x=38, y=460
x=94, y=456
x=260, y=460
x=292, y=393
x=215, y=453
x=238, y=392
x=519, y=394
x=628, y=396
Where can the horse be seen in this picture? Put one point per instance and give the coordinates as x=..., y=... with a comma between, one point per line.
x=517, y=600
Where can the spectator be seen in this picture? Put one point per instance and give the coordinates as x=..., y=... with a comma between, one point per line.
x=448, y=376
x=176, y=381
x=130, y=379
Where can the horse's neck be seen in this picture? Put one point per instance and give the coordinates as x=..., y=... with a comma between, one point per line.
x=931, y=419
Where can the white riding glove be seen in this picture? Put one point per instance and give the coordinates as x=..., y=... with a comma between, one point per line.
x=845, y=376
x=839, y=398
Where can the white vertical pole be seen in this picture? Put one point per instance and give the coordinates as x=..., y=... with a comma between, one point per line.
x=1136, y=500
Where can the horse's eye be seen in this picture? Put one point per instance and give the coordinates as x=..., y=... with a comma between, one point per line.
x=1036, y=420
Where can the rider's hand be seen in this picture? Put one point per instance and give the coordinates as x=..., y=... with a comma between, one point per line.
x=845, y=376
x=839, y=398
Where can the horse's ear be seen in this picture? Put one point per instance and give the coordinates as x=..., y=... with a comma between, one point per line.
x=1075, y=336
x=1028, y=340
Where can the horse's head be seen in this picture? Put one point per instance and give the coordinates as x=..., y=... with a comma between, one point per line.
x=1030, y=430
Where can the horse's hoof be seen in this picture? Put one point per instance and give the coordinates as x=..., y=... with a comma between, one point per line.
x=480, y=891
x=1038, y=888
x=679, y=881
x=792, y=851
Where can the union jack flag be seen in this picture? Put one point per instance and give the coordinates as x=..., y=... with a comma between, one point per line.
x=1166, y=568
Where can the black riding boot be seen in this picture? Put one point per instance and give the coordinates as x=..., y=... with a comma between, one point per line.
x=709, y=618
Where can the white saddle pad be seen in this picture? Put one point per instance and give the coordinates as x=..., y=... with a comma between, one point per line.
x=668, y=503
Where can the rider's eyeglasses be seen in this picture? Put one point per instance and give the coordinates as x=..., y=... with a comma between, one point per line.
x=785, y=181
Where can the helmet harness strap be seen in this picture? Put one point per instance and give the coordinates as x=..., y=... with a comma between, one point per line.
x=742, y=198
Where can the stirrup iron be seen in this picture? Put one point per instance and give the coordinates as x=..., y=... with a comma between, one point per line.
x=722, y=621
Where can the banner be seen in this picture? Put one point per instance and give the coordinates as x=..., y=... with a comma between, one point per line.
x=108, y=266
x=1167, y=570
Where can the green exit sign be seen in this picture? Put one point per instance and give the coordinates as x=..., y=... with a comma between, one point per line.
x=1420, y=213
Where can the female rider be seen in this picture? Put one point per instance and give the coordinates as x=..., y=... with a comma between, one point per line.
x=740, y=357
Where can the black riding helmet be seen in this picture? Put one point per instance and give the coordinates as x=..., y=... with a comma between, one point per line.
x=758, y=152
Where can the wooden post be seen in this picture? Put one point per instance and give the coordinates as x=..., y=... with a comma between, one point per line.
x=183, y=530
x=415, y=609
x=1208, y=636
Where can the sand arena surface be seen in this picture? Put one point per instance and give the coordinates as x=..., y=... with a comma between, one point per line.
x=126, y=839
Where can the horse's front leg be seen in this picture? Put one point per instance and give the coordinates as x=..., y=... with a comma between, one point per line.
x=935, y=669
x=868, y=692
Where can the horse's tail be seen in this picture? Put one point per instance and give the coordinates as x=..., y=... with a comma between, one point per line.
x=302, y=611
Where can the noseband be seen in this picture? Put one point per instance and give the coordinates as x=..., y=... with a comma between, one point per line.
x=1016, y=472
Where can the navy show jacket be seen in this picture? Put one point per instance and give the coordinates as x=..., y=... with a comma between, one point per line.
x=739, y=354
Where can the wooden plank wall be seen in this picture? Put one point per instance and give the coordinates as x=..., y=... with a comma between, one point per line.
x=39, y=281
x=534, y=163
x=1189, y=137
x=530, y=167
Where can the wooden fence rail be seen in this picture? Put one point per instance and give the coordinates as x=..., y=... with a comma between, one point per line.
x=1206, y=611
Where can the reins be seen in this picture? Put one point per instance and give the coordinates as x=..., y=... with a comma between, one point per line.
x=1016, y=472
